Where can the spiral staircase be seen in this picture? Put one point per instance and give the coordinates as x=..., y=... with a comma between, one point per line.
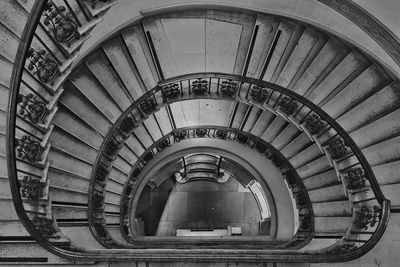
x=89, y=124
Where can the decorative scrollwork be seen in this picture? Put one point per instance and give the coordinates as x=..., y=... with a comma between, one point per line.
x=337, y=148
x=42, y=65
x=304, y=223
x=314, y=124
x=28, y=148
x=367, y=217
x=32, y=108
x=128, y=191
x=301, y=199
x=223, y=134
x=112, y=147
x=343, y=248
x=200, y=86
x=98, y=201
x=171, y=91
x=136, y=172
x=288, y=105
x=63, y=26
x=179, y=135
x=32, y=188
x=201, y=132
x=241, y=138
x=128, y=125
x=149, y=156
x=259, y=94
x=103, y=169
x=228, y=88
x=148, y=106
x=356, y=178
x=163, y=144
x=260, y=147
x=45, y=227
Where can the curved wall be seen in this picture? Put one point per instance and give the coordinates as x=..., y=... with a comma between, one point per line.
x=260, y=168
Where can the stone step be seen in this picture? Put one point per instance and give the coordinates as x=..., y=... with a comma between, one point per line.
x=323, y=179
x=369, y=81
x=383, y=152
x=326, y=60
x=113, y=197
x=371, y=108
x=71, y=145
x=7, y=210
x=135, y=145
x=163, y=120
x=377, y=130
x=136, y=44
x=117, y=176
x=239, y=114
x=306, y=155
x=3, y=166
x=336, y=77
x=12, y=228
x=28, y=250
x=388, y=173
x=285, y=136
x=301, y=142
x=298, y=55
x=112, y=218
x=5, y=72
x=151, y=125
x=316, y=166
x=3, y=120
x=329, y=193
x=112, y=207
x=274, y=129
x=67, y=212
x=287, y=29
x=332, y=208
x=324, y=225
x=15, y=19
x=122, y=165
x=103, y=73
x=128, y=155
x=69, y=181
x=262, y=123
x=63, y=161
x=92, y=90
x=391, y=192
x=252, y=118
x=5, y=191
x=267, y=29
x=60, y=194
x=4, y=94
x=86, y=111
x=76, y=126
x=117, y=53
x=81, y=236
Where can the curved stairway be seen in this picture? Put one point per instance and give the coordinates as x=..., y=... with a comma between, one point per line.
x=339, y=79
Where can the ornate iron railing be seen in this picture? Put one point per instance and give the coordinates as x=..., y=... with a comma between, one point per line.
x=30, y=123
x=337, y=145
